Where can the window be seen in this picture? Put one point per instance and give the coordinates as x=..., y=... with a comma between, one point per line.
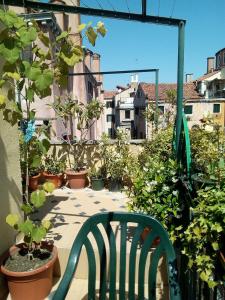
x=161, y=109
x=127, y=114
x=90, y=88
x=110, y=118
x=188, y=109
x=216, y=108
x=110, y=104
x=136, y=110
x=218, y=61
x=139, y=94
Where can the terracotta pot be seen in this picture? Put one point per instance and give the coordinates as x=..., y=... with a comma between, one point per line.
x=57, y=179
x=77, y=180
x=36, y=284
x=34, y=182
x=145, y=234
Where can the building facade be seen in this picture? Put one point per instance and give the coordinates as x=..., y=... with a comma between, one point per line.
x=80, y=88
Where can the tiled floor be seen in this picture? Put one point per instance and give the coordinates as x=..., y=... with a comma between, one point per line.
x=68, y=209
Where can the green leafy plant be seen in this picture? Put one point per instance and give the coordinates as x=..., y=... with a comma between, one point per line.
x=54, y=166
x=117, y=156
x=204, y=237
x=86, y=116
x=160, y=146
x=208, y=152
x=33, y=232
x=96, y=172
x=155, y=192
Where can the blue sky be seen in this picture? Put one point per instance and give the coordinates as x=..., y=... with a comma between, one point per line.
x=133, y=45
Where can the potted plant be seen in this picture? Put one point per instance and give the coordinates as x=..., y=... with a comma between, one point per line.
x=54, y=171
x=86, y=116
x=204, y=238
x=116, y=159
x=97, y=179
x=28, y=266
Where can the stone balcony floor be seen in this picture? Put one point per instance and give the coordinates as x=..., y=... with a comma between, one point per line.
x=68, y=209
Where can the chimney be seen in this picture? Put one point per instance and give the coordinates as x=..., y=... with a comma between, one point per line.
x=189, y=77
x=88, y=59
x=96, y=65
x=210, y=64
x=134, y=78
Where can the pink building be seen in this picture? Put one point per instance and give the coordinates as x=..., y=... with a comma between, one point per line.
x=81, y=88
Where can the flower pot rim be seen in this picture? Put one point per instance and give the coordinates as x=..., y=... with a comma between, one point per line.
x=97, y=178
x=42, y=268
x=51, y=174
x=72, y=172
x=35, y=176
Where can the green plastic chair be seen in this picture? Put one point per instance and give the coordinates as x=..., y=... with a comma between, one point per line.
x=164, y=247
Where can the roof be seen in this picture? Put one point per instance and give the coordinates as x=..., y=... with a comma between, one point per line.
x=208, y=75
x=190, y=91
x=109, y=94
x=221, y=50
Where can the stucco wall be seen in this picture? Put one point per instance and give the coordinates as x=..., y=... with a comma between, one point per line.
x=10, y=183
x=90, y=154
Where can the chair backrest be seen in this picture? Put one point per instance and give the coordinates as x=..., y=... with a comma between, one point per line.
x=108, y=285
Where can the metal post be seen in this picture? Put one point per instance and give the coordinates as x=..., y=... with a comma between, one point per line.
x=144, y=7
x=180, y=79
x=156, y=98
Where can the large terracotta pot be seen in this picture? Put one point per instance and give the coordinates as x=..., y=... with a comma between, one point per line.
x=77, y=180
x=57, y=179
x=34, y=182
x=36, y=284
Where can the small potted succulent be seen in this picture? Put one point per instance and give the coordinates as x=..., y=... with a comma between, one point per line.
x=54, y=171
x=97, y=178
x=28, y=266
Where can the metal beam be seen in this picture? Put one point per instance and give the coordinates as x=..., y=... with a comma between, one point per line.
x=95, y=12
x=157, y=98
x=180, y=81
x=114, y=72
x=144, y=7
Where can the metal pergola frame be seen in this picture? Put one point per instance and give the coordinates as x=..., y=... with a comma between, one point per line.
x=143, y=18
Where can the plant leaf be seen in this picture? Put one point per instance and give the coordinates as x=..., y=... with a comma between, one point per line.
x=2, y=100
x=45, y=80
x=38, y=198
x=81, y=27
x=38, y=234
x=26, y=227
x=12, y=219
x=46, y=224
x=91, y=35
x=49, y=187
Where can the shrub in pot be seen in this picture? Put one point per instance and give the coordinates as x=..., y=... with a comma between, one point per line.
x=54, y=171
x=155, y=192
x=86, y=116
x=116, y=159
x=28, y=266
x=204, y=238
x=97, y=178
